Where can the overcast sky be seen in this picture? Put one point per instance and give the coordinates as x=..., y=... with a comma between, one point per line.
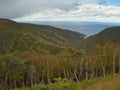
x=61, y=10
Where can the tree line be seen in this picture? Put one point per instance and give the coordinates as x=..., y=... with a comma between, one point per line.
x=27, y=68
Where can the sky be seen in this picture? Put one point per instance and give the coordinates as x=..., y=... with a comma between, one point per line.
x=61, y=10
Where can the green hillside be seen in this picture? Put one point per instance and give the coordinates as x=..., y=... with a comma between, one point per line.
x=109, y=35
x=22, y=36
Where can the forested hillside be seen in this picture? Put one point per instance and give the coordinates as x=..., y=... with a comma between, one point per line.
x=37, y=54
x=21, y=36
x=109, y=35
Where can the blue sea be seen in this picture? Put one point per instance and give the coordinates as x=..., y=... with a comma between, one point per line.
x=87, y=28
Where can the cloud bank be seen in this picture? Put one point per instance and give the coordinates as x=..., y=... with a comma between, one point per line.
x=35, y=10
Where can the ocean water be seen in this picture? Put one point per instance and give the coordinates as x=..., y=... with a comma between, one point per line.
x=87, y=28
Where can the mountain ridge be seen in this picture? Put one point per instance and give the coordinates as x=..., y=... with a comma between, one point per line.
x=53, y=36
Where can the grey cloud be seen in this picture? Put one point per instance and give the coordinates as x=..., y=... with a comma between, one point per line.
x=19, y=8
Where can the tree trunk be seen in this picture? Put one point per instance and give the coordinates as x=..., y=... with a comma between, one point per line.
x=48, y=76
x=86, y=72
x=42, y=80
x=114, y=63
x=65, y=76
x=75, y=73
x=6, y=79
x=11, y=85
x=80, y=74
x=38, y=80
x=119, y=65
x=35, y=80
x=81, y=68
x=92, y=74
x=31, y=79
x=15, y=85
x=23, y=81
x=104, y=72
x=27, y=81
x=103, y=69
x=48, y=79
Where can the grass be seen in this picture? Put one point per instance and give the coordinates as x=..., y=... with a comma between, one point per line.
x=107, y=83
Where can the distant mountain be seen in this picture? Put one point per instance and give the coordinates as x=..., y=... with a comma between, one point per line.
x=109, y=35
x=23, y=36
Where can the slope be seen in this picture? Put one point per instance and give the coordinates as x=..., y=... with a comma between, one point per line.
x=109, y=35
x=23, y=36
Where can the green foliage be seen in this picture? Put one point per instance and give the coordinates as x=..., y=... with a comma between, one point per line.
x=106, y=83
x=62, y=85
